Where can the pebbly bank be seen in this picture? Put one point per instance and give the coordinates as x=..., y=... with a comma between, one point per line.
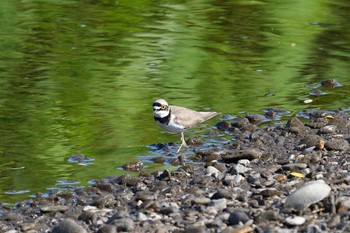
x=293, y=177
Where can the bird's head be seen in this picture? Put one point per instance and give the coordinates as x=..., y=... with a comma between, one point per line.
x=161, y=108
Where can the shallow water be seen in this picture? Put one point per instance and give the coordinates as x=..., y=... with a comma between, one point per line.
x=79, y=77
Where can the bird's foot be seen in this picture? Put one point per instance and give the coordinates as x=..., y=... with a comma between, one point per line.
x=183, y=143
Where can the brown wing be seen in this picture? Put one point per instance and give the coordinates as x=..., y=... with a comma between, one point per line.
x=189, y=118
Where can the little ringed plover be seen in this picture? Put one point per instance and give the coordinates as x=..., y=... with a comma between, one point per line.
x=174, y=119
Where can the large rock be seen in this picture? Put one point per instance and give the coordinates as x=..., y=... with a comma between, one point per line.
x=308, y=194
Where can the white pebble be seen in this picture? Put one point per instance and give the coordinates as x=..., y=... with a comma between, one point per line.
x=295, y=220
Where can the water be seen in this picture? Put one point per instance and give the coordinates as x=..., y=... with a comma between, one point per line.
x=79, y=77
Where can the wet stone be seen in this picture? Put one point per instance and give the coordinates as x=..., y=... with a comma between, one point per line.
x=256, y=118
x=240, y=122
x=330, y=83
x=133, y=166
x=81, y=159
x=294, y=122
x=223, y=125
x=159, y=159
x=194, y=142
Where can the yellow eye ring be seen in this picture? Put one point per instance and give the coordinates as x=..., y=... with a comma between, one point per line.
x=163, y=107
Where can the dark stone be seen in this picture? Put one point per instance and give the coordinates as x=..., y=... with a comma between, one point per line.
x=238, y=216
x=223, y=125
x=270, y=192
x=222, y=193
x=194, y=142
x=256, y=119
x=159, y=159
x=240, y=122
x=133, y=166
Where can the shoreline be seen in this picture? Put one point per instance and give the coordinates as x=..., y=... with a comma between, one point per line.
x=250, y=185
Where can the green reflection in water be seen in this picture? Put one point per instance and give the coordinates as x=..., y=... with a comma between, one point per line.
x=80, y=76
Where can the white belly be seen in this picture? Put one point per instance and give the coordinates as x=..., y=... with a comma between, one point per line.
x=172, y=127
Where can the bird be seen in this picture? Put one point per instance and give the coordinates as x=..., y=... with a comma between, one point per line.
x=176, y=120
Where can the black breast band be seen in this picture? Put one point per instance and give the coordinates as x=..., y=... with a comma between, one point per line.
x=164, y=120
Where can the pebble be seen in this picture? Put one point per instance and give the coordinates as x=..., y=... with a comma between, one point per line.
x=223, y=125
x=107, y=200
x=194, y=142
x=219, y=204
x=222, y=193
x=238, y=169
x=313, y=140
x=54, y=208
x=133, y=166
x=124, y=224
x=295, y=220
x=233, y=180
x=212, y=171
x=244, y=162
x=293, y=166
x=270, y=192
x=239, y=195
x=201, y=200
x=68, y=226
x=107, y=229
x=88, y=217
x=294, y=122
x=238, y=216
x=337, y=144
x=308, y=194
x=328, y=129
x=240, y=122
x=234, y=156
x=256, y=118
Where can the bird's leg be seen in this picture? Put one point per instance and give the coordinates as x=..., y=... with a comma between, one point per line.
x=183, y=142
